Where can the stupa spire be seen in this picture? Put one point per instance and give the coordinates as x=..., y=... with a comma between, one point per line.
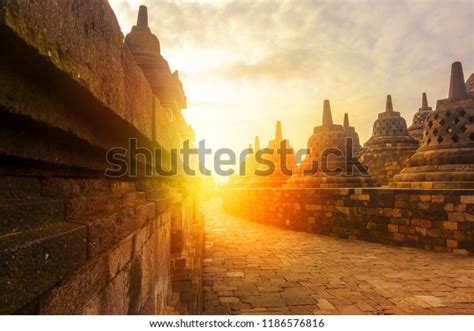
x=257, y=143
x=346, y=121
x=278, y=132
x=424, y=101
x=389, y=105
x=142, y=19
x=457, y=87
x=327, y=116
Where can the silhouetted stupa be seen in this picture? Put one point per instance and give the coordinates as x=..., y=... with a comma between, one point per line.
x=445, y=158
x=146, y=49
x=281, y=171
x=387, y=151
x=416, y=128
x=330, y=170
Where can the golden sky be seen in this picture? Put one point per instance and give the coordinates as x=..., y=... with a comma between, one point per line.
x=246, y=64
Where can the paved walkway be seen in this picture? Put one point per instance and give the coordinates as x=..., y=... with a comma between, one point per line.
x=251, y=268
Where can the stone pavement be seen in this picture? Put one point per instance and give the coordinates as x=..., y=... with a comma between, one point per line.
x=251, y=268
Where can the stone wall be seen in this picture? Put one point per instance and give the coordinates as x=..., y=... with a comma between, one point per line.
x=440, y=220
x=383, y=165
x=73, y=241
x=88, y=245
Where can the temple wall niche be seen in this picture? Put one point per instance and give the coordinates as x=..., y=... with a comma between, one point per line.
x=72, y=240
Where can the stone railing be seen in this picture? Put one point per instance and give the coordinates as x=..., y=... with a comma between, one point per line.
x=440, y=220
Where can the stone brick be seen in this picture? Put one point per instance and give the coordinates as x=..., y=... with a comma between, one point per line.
x=19, y=188
x=115, y=295
x=425, y=198
x=460, y=207
x=456, y=217
x=74, y=295
x=133, y=198
x=422, y=223
x=421, y=231
x=106, y=231
x=33, y=262
x=392, y=228
x=437, y=198
x=434, y=233
x=399, y=237
x=423, y=205
x=146, y=212
x=450, y=225
x=61, y=187
x=85, y=206
x=120, y=256
x=449, y=207
x=396, y=212
x=467, y=199
x=451, y=243
x=21, y=215
x=313, y=207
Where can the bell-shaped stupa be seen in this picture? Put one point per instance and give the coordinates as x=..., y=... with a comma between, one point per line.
x=351, y=133
x=281, y=156
x=166, y=85
x=146, y=49
x=470, y=84
x=330, y=162
x=416, y=128
x=385, y=154
x=445, y=158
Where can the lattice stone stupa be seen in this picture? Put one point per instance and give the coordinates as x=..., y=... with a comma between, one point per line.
x=470, y=84
x=385, y=154
x=416, y=128
x=327, y=137
x=445, y=158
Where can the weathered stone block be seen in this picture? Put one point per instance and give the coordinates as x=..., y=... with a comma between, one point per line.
x=399, y=237
x=451, y=243
x=133, y=199
x=34, y=261
x=392, y=228
x=437, y=198
x=23, y=215
x=119, y=257
x=105, y=231
x=115, y=296
x=450, y=225
x=19, y=188
x=467, y=199
x=53, y=33
x=73, y=295
x=456, y=217
x=85, y=206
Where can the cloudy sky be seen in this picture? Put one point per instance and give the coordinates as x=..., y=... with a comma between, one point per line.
x=246, y=64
